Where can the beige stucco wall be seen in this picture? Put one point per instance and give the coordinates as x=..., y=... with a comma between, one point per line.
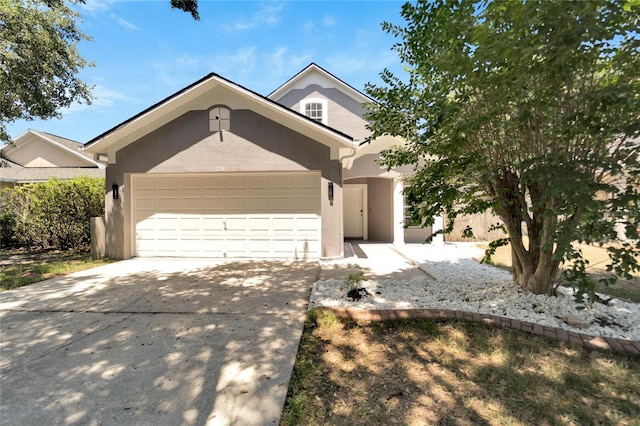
x=417, y=235
x=367, y=166
x=43, y=154
x=253, y=144
x=380, y=196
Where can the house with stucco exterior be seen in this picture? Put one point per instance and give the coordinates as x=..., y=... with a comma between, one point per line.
x=36, y=156
x=218, y=170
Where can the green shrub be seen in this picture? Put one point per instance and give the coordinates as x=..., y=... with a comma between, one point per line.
x=53, y=214
x=7, y=224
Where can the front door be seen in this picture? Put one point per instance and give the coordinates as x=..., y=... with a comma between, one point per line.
x=355, y=211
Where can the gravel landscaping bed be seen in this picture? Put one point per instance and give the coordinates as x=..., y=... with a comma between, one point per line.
x=463, y=284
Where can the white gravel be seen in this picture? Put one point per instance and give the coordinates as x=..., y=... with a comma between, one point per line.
x=463, y=284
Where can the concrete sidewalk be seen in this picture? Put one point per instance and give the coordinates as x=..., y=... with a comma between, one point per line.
x=379, y=261
x=153, y=342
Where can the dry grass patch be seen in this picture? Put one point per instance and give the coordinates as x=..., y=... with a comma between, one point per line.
x=420, y=372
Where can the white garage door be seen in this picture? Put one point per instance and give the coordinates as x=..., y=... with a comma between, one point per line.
x=270, y=215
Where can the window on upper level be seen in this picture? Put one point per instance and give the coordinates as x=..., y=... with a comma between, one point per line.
x=315, y=109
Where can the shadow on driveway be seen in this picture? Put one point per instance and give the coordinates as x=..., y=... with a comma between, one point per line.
x=153, y=342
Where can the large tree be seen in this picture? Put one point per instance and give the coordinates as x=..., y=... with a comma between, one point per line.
x=526, y=108
x=39, y=59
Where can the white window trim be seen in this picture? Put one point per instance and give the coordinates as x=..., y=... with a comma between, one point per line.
x=323, y=102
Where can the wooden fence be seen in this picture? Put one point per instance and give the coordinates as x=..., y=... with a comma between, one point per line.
x=480, y=223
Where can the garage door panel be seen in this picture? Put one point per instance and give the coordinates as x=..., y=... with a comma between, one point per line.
x=282, y=204
x=259, y=183
x=146, y=204
x=206, y=193
x=190, y=204
x=166, y=181
x=236, y=182
x=259, y=204
x=283, y=224
x=261, y=247
x=145, y=229
x=236, y=224
x=191, y=183
x=156, y=247
x=211, y=223
x=300, y=247
x=166, y=224
x=236, y=246
x=306, y=224
x=167, y=203
x=146, y=184
x=191, y=246
x=283, y=182
x=213, y=204
x=191, y=193
x=307, y=181
x=235, y=203
x=254, y=215
x=307, y=204
x=146, y=248
x=260, y=224
x=191, y=224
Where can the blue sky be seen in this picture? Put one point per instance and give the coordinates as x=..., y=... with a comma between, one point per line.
x=144, y=51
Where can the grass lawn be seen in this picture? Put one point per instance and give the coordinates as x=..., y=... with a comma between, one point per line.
x=598, y=259
x=421, y=372
x=19, y=268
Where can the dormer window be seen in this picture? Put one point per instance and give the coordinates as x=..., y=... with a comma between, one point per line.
x=315, y=109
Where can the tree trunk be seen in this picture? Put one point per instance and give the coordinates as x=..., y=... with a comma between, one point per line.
x=533, y=268
x=516, y=266
x=541, y=280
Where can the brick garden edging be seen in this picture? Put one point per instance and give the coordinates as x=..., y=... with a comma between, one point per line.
x=363, y=316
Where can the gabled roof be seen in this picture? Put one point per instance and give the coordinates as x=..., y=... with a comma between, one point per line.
x=306, y=76
x=42, y=174
x=70, y=146
x=69, y=143
x=180, y=102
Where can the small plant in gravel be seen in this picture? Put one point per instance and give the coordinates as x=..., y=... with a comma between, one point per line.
x=353, y=280
x=353, y=283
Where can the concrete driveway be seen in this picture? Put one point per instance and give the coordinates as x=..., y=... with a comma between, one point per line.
x=153, y=342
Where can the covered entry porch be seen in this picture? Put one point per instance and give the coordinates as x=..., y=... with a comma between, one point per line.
x=374, y=210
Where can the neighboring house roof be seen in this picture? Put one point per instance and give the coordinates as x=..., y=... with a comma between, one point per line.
x=192, y=97
x=66, y=145
x=69, y=143
x=311, y=75
x=41, y=174
x=6, y=163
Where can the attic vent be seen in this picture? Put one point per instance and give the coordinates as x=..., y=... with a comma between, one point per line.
x=219, y=118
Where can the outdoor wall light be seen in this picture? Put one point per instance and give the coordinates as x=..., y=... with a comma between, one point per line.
x=115, y=191
x=331, y=193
